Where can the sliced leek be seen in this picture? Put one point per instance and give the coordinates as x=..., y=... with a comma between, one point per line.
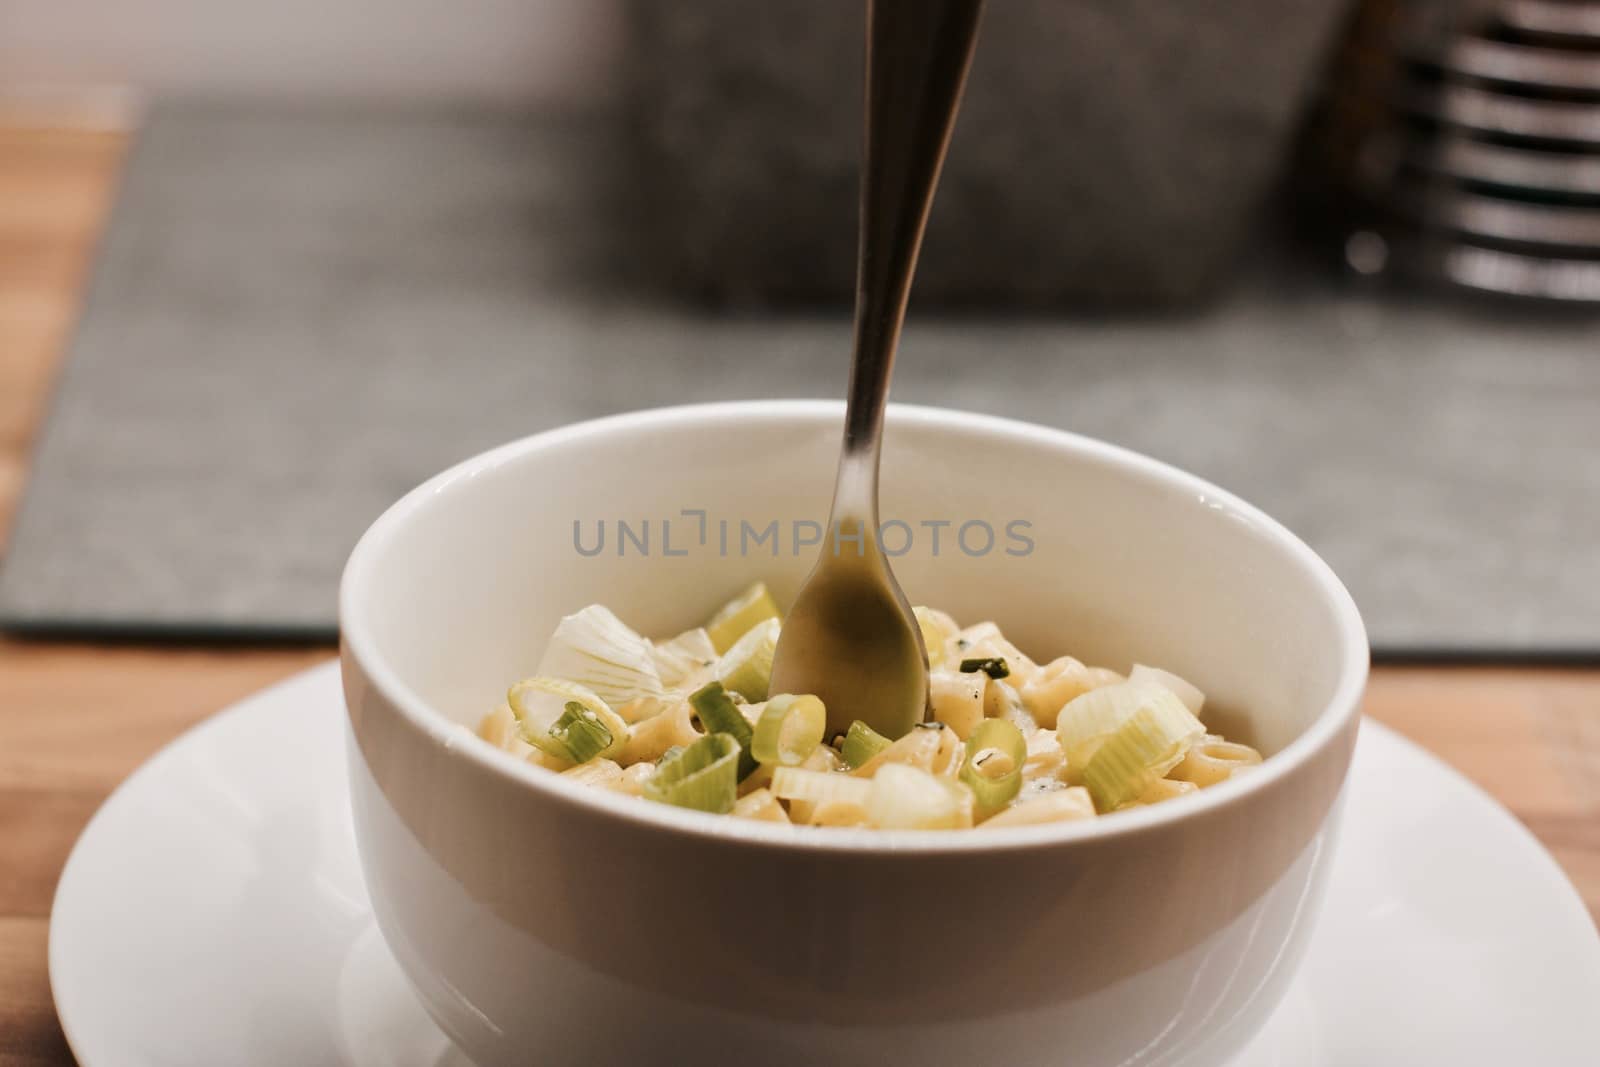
x=703, y=777
x=1089, y=719
x=1192, y=697
x=545, y=718
x=680, y=659
x=908, y=798
x=861, y=743
x=1152, y=740
x=735, y=618
x=819, y=787
x=580, y=733
x=719, y=715
x=746, y=668
x=996, y=752
x=789, y=730
x=598, y=651
x=690, y=720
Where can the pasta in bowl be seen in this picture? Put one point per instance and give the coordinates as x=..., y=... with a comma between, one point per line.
x=688, y=721
x=539, y=917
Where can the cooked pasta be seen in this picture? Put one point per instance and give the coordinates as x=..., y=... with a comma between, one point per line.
x=688, y=721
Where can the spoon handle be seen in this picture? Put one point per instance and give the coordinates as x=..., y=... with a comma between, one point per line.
x=918, y=52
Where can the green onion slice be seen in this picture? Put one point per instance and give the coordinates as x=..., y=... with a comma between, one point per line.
x=861, y=743
x=1088, y=719
x=702, y=777
x=1145, y=747
x=789, y=730
x=819, y=787
x=543, y=707
x=720, y=715
x=580, y=733
x=735, y=618
x=996, y=752
x=993, y=666
x=746, y=668
x=1184, y=690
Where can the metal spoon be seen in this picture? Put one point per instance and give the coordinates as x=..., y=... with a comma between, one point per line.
x=850, y=637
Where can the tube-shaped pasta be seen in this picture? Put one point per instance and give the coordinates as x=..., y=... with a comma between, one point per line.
x=757, y=779
x=1053, y=686
x=649, y=739
x=839, y=813
x=1000, y=701
x=600, y=773
x=1213, y=760
x=761, y=806
x=949, y=756
x=984, y=640
x=1046, y=757
x=958, y=699
x=824, y=759
x=633, y=779
x=1099, y=676
x=915, y=749
x=1081, y=742
x=499, y=727
x=1062, y=805
x=1162, y=789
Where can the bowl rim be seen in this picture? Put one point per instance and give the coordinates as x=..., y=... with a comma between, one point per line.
x=358, y=644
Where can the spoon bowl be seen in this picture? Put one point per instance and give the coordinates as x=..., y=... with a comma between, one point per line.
x=851, y=619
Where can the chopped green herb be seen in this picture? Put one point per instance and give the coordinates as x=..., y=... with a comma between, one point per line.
x=994, y=667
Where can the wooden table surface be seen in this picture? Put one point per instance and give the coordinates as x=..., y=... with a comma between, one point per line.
x=76, y=718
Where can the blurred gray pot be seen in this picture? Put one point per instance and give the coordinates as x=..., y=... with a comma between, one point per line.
x=1108, y=152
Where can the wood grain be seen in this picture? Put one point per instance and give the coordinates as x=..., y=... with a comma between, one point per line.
x=75, y=719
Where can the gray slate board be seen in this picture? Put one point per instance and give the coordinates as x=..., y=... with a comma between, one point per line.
x=297, y=315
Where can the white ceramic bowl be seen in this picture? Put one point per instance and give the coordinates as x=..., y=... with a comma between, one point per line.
x=544, y=922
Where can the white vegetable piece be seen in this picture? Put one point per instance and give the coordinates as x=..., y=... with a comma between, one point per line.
x=1191, y=696
x=908, y=798
x=598, y=651
x=746, y=668
x=679, y=660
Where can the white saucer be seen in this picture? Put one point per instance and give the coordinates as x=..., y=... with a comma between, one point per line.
x=213, y=912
